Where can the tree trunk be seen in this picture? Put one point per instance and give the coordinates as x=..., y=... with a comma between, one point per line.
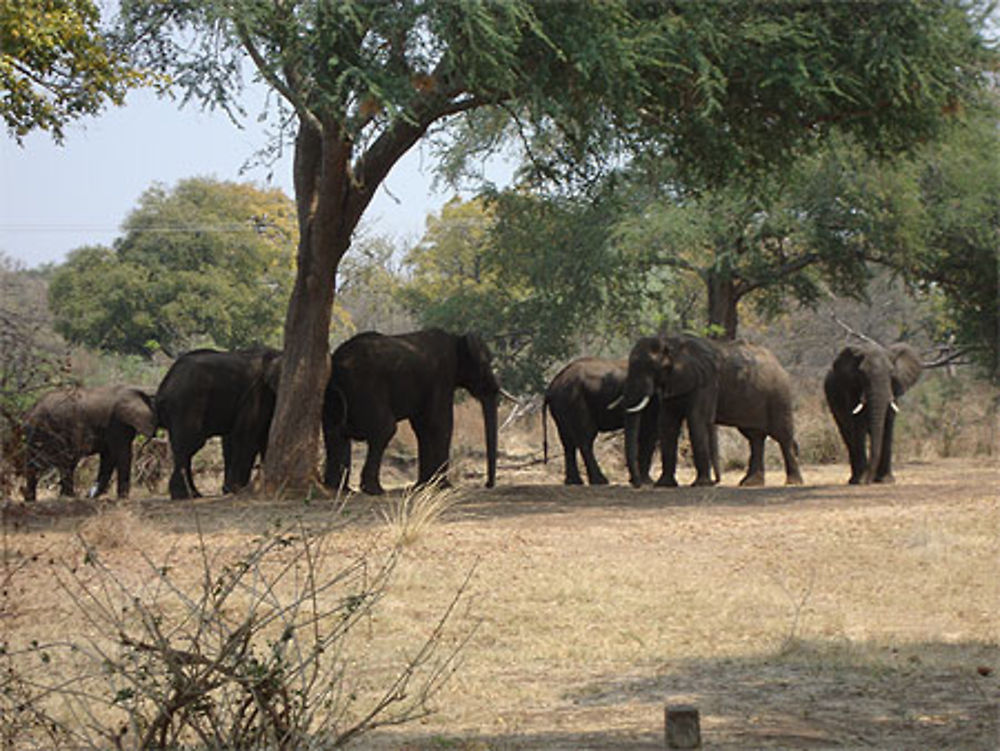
x=330, y=200
x=723, y=297
x=325, y=229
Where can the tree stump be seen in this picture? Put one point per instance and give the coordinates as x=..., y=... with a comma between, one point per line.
x=683, y=727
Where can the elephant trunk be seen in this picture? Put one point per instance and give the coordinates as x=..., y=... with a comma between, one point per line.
x=637, y=394
x=632, y=448
x=877, y=405
x=490, y=424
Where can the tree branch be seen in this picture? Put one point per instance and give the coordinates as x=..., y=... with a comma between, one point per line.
x=290, y=95
x=852, y=332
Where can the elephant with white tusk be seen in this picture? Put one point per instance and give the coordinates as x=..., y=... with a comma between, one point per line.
x=585, y=398
x=861, y=389
x=706, y=383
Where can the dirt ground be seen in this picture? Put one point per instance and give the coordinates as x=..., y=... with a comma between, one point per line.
x=821, y=616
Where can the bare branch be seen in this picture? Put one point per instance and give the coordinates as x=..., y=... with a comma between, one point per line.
x=852, y=332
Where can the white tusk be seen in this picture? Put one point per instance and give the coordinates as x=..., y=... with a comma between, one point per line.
x=92, y=493
x=895, y=407
x=640, y=406
x=616, y=403
x=857, y=410
x=505, y=393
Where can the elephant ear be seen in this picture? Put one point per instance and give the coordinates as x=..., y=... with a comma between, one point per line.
x=474, y=358
x=272, y=372
x=135, y=407
x=906, y=367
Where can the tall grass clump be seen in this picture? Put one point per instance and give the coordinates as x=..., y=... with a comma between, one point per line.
x=410, y=515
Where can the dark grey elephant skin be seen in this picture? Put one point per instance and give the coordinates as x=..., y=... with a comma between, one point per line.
x=584, y=399
x=384, y=379
x=210, y=393
x=753, y=394
x=67, y=425
x=861, y=389
x=683, y=373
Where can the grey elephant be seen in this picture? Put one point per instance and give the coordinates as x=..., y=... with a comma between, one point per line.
x=384, y=379
x=211, y=393
x=584, y=399
x=861, y=389
x=707, y=383
x=67, y=425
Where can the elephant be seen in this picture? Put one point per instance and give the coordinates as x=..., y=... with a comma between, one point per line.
x=384, y=379
x=230, y=394
x=861, y=389
x=66, y=425
x=584, y=399
x=711, y=383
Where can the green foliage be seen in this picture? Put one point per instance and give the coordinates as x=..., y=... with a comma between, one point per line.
x=537, y=277
x=208, y=262
x=56, y=65
x=732, y=90
x=959, y=188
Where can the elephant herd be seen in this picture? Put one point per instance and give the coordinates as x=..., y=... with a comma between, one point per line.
x=377, y=380
x=668, y=381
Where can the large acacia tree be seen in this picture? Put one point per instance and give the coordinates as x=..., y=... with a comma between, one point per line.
x=720, y=86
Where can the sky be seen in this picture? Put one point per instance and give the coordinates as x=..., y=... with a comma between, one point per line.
x=55, y=198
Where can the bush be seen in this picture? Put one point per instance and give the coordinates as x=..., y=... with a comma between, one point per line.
x=251, y=652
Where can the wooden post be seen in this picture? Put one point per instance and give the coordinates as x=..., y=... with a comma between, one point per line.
x=683, y=726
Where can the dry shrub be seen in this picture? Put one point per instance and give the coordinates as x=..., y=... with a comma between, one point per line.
x=244, y=649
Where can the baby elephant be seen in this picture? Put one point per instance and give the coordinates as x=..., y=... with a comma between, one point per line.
x=67, y=425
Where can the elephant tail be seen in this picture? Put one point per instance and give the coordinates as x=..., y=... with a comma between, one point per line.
x=545, y=431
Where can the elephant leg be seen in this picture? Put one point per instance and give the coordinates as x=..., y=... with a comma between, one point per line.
x=373, y=463
x=66, y=471
x=790, y=455
x=337, y=472
x=30, y=483
x=182, y=478
x=572, y=471
x=123, y=468
x=853, y=434
x=33, y=467
x=373, y=459
x=594, y=474
x=755, y=466
x=107, y=466
x=228, y=480
x=856, y=449
x=883, y=473
x=244, y=452
x=700, y=433
x=647, y=445
x=670, y=429
x=433, y=445
x=120, y=459
x=571, y=474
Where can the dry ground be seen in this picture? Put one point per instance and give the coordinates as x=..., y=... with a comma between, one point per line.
x=822, y=616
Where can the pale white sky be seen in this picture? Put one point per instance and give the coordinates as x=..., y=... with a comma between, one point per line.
x=57, y=198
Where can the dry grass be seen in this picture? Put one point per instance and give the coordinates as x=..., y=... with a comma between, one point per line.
x=812, y=617
x=117, y=526
x=412, y=513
